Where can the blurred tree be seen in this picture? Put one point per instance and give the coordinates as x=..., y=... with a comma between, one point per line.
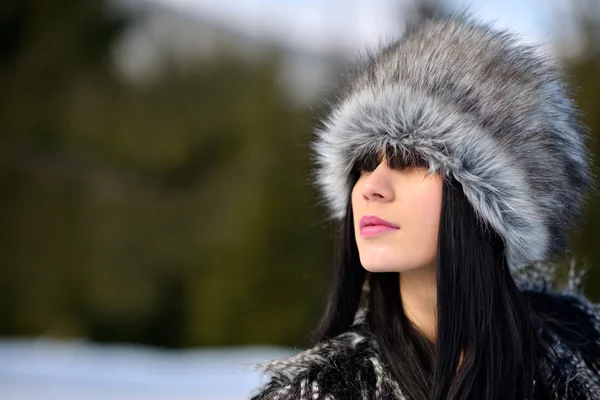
x=47, y=51
x=174, y=214
x=583, y=71
x=419, y=10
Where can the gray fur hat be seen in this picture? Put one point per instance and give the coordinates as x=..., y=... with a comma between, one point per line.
x=477, y=105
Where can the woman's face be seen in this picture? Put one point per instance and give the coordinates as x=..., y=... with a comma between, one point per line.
x=410, y=200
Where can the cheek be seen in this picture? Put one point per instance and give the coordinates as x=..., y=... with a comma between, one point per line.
x=424, y=218
x=356, y=204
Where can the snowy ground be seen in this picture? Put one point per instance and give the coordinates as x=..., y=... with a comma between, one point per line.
x=52, y=370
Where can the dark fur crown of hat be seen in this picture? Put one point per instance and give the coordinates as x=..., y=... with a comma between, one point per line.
x=479, y=106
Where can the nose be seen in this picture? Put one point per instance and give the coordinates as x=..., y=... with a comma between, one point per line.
x=377, y=185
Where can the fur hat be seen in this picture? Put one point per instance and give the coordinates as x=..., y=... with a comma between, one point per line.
x=479, y=106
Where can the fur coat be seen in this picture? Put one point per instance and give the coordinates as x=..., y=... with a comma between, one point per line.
x=350, y=365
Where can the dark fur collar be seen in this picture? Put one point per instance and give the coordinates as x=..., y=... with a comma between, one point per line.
x=350, y=366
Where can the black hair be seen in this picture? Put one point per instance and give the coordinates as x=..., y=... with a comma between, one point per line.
x=481, y=312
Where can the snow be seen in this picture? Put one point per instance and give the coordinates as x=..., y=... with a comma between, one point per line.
x=53, y=370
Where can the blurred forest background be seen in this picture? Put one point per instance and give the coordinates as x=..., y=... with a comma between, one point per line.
x=173, y=206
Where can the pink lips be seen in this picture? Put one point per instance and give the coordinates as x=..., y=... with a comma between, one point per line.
x=370, y=225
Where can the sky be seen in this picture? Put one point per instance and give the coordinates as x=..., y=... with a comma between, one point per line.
x=352, y=25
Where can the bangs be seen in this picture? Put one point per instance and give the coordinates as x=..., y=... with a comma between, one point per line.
x=395, y=159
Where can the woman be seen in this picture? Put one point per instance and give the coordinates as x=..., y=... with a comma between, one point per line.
x=454, y=162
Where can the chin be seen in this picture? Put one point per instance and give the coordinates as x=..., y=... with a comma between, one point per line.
x=391, y=267
x=383, y=268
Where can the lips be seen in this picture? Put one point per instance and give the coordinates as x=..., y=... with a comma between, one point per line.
x=370, y=225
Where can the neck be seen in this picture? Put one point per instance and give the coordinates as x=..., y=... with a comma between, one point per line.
x=418, y=292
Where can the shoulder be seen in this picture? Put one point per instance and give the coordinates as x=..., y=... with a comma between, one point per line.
x=570, y=308
x=570, y=335
x=344, y=367
x=565, y=309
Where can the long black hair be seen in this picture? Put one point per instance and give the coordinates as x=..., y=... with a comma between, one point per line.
x=481, y=313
